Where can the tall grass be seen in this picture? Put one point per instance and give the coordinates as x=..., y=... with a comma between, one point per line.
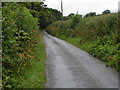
x=97, y=35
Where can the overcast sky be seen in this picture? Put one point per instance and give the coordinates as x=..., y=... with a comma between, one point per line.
x=83, y=6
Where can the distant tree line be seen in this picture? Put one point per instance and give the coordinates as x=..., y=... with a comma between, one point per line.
x=90, y=14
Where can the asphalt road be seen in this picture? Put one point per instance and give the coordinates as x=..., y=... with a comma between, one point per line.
x=70, y=67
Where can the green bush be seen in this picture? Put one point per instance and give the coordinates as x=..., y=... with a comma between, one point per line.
x=18, y=25
x=75, y=21
x=105, y=49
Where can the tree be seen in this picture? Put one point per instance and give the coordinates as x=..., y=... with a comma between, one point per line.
x=45, y=15
x=75, y=20
x=65, y=18
x=90, y=14
x=106, y=12
x=71, y=15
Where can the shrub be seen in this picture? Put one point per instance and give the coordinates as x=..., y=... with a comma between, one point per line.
x=18, y=25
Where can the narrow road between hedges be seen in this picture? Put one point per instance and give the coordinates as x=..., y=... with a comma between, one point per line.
x=70, y=67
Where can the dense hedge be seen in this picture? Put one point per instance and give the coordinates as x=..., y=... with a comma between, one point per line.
x=18, y=26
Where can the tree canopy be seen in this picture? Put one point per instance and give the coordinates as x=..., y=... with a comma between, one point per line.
x=90, y=14
x=106, y=12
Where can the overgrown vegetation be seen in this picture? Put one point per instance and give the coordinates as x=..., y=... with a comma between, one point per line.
x=33, y=74
x=97, y=35
x=45, y=15
x=23, y=47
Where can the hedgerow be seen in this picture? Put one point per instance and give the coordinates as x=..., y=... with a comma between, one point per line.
x=97, y=35
x=18, y=26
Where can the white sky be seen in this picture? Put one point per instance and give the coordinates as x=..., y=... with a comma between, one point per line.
x=83, y=6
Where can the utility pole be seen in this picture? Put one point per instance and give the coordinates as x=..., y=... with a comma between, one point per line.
x=62, y=9
x=77, y=13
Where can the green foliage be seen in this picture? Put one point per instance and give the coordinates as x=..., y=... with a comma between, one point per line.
x=17, y=25
x=55, y=13
x=90, y=14
x=71, y=15
x=106, y=12
x=48, y=16
x=106, y=49
x=23, y=48
x=8, y=77
x=33, y=74
x=75, y=21
x=97, y=35
x=18, y=37
x=45, y=15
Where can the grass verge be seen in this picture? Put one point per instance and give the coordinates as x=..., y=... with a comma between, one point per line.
x=34, y=73
x=76, y=42
x=107, y=53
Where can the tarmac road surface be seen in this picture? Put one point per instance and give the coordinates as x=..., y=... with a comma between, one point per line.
x=70, y=67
